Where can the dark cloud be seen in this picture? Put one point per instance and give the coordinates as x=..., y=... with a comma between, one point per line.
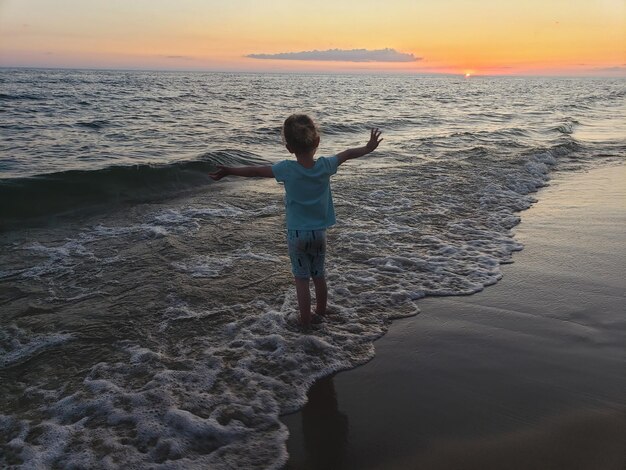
x=180, y=57
x=342, y=55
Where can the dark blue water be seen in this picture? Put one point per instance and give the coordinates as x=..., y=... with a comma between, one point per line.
x=148, y=315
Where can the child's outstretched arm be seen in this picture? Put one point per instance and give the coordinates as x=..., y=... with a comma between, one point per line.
x=360, y=151
x=248, y=171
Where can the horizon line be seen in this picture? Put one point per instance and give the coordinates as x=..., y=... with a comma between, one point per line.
x=309, y=72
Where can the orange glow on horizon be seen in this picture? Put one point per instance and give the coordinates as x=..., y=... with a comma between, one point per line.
x=486, y=37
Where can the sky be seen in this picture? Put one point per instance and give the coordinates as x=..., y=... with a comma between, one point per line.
x=475, y=37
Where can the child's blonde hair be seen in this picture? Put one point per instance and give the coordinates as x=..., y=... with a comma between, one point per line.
x=300, y=132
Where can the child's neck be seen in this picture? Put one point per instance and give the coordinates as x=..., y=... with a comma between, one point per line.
x=306, y=158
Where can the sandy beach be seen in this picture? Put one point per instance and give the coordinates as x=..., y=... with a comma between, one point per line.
x=528, y=373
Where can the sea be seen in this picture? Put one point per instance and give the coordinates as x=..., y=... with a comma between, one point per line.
x=148, y=317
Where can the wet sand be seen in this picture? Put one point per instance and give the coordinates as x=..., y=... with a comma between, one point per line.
x=528, y=374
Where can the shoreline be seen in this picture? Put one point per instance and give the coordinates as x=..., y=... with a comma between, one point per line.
x=527, y=373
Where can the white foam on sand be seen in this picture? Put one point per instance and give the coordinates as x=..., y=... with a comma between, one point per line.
x=188, y=218
x=217, y=409
x=18, y=346
x=204, y=266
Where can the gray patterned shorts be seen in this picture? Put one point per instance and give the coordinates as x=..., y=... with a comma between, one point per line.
x=307, y=251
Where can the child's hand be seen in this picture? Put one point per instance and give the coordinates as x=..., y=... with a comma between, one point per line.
x=374, y=140
x=360, y=151
x=219, y=174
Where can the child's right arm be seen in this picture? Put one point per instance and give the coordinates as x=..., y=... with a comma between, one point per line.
x=360, y=151
x=248, y=171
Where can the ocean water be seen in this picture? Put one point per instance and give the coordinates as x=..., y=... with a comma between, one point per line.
x=148, y=317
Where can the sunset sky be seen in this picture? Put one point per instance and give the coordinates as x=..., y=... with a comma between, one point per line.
x=538, y=37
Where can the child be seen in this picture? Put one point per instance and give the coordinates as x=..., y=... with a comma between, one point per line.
x=308, y=204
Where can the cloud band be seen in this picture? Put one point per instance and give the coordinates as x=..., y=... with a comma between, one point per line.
x=342, y=55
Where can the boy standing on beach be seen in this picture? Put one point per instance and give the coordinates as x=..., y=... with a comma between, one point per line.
x=308, y=204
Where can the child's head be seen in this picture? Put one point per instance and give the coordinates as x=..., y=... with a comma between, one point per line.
x=300, y=133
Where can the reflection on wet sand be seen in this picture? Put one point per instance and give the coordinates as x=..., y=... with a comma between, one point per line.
x=324, y=428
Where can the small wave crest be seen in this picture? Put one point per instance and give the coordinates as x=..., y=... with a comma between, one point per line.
x=96, y=124
x=19, y=96
x=566, y=127
x=69, y=191
x=340, y=128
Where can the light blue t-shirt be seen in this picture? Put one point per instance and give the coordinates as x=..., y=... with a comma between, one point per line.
x=308, y=200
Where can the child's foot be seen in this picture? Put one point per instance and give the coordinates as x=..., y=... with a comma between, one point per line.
x=315, y=320
x=329, y=311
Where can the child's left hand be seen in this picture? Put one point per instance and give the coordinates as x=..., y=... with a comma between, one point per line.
x=374, y=140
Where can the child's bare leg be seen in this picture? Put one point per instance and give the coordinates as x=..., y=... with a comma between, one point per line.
x=321, y=295
x=304, y=299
